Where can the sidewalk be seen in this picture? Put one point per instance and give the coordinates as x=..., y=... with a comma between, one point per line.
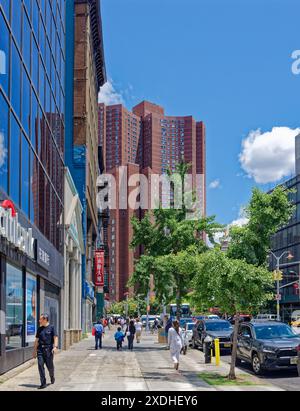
x=147, y=368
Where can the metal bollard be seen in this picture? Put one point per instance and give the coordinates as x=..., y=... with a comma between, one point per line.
x=207, y=347
x=217, y=351
x=207, y=352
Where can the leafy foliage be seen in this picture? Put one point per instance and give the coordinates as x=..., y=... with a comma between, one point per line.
x=267, y=212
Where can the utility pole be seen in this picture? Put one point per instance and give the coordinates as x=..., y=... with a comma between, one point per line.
x=290, y=256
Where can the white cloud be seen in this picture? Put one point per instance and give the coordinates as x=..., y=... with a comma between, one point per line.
x=241, y=220
x=3, y=150
x=215, y=184
x=108, y=95
x=2, y=62
x=270, y=156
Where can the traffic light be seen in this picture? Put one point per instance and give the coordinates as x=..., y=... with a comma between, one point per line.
x=277, y=275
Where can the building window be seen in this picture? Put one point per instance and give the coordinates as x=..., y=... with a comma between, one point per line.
x=14, y=307
x=31, y=309
x=3, y=143
x=4, y=55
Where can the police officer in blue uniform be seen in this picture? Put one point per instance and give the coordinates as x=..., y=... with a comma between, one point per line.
x=46, y=344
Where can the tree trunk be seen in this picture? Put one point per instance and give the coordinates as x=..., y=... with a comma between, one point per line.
x=231, y=375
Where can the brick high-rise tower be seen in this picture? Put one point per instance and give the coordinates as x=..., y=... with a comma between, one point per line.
x=147, y=142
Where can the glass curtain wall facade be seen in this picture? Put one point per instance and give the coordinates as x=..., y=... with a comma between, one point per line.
x=32, y=99
x=288, y=239
x=32, y=128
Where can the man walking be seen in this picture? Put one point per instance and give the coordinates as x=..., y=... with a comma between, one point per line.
x=46, y=344
x=99, y=331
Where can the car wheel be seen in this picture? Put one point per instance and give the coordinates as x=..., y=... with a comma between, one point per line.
x=256, y=364
x=238, y=361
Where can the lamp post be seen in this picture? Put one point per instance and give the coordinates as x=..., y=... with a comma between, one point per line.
x=289, y=257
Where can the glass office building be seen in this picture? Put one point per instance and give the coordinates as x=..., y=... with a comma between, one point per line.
x=32, y=104
x=288, y=239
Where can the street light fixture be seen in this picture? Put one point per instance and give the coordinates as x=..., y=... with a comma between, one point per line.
x=289, y=257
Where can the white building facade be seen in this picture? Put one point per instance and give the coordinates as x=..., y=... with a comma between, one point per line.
x=74, y=250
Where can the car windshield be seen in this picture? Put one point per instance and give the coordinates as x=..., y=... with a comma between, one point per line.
x=218, y=326
x=269, y=332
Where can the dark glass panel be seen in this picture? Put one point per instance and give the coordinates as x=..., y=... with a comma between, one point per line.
x=25, y=180
x=26, y=103
x=4, y=118
x=34, y=188
x=14, y=158
x=4, y=55
x=16, y=17
x=16, y=80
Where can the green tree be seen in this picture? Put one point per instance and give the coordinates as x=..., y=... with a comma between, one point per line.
x=169, y=242
x=232, y=285
x=267, y=212
x=164, y=235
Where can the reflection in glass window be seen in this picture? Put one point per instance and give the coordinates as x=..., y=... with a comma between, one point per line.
x=26, y=103
x=14, y=307
x=34, y=194
x=25, y=176
x=5, y=4
x=16, y=80
x=16, y=20
x=14, y=189
x=4, y=55
x=26, y=42
x=31, y=306
x=3, y=143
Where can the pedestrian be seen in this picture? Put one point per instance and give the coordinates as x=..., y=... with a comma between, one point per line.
x=99, y=331
x=168, y=326
x=175, y=343
x=138, y=330
x=119, y=338
x=45, y=345
x=130, y=332
x=122, y=322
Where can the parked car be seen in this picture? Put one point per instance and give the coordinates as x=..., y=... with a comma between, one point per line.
x=266, y=317
x=189, y=326
x=221, y=329
x=267, y=345
x=243, y=318
x=151, y=320
x=184, y=321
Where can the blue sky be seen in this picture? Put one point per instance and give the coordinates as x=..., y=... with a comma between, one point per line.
x=226, y=62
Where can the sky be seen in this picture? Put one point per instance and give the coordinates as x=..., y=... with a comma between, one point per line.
x=227, y=63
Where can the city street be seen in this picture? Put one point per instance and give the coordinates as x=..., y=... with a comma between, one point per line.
x=147, y=368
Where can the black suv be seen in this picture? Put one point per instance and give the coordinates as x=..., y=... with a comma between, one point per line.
x=267, y=345
x=221, y=329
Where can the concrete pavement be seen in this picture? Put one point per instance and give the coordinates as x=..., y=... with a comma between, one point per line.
x=147, y=368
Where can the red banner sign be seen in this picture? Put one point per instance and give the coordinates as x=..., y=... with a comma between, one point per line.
x=99, y=268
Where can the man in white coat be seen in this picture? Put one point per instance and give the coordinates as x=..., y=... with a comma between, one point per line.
x=175, y=343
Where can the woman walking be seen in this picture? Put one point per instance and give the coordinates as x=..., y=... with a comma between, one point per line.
x=175, y=343
x=130, y=332
x=138, y=330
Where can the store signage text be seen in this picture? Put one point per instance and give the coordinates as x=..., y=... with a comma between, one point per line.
x=11, y=229
x=43, y=256
x=99, y=268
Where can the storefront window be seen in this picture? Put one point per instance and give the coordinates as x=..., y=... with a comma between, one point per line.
x=51, y=308
x=31, y=308
x=14, y=307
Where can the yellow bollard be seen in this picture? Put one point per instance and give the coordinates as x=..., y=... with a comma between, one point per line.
x=217, y=351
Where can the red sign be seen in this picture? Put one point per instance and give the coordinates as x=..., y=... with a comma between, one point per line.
x=9, y=204
x=99, y=268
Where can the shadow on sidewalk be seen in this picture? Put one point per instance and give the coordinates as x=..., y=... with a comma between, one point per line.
x=30, y=385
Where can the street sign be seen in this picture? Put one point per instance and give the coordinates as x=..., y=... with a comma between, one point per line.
x=278, y=297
